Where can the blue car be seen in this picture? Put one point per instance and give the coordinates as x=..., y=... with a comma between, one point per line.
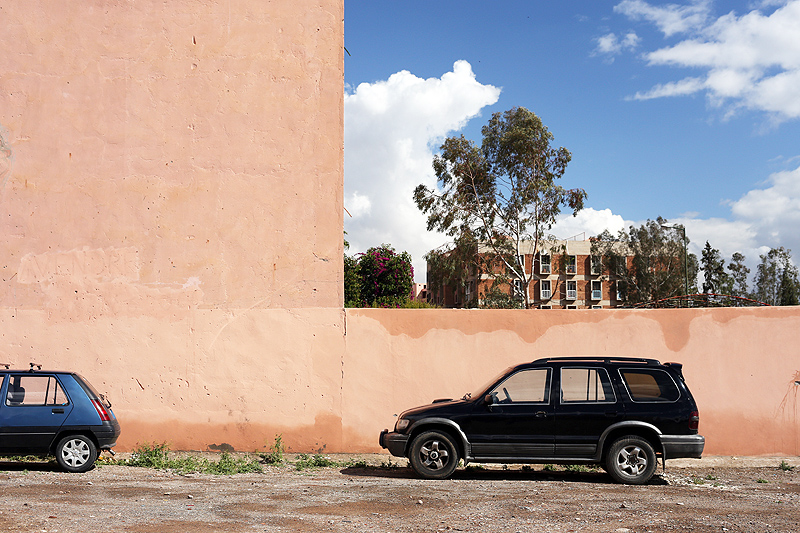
x=54, y=413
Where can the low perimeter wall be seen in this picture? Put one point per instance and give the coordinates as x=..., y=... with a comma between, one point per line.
x=328, y=380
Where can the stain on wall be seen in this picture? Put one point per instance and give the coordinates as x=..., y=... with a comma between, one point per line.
x=6, y=159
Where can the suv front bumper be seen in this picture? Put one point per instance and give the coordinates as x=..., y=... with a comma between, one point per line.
x=394, y=442
x=677, y=446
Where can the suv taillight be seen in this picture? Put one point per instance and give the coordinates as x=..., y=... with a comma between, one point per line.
x=101, y=410
x=694, y=420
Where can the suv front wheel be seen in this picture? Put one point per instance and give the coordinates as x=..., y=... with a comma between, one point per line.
x=433, y=455
x=631, y=460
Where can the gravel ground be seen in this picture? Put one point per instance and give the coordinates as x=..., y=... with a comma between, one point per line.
x=713, y=494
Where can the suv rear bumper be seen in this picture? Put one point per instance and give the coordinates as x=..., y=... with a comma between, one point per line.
x=677, y=446
x=394, y=442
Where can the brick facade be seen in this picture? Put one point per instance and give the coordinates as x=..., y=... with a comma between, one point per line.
x=564, y=275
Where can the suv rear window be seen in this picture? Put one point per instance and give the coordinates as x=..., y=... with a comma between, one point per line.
x=650, y=385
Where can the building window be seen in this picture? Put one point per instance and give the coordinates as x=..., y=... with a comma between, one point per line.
x=572, y=290
x=597, y=290
x=573, y=306
x=545, y=292
x=620, y=291
x=545, y=307
x=597, y=265
x=544, y=264
x=518, y=288
x=571, y=264
x=597, y=307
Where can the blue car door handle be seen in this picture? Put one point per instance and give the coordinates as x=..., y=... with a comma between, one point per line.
x=58, y=411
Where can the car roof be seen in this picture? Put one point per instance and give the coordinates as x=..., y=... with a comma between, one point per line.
x=6, y=369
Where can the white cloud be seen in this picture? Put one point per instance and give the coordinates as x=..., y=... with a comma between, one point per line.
x=750, y=61
x=588, y=223
x=392, y=129
x=611, y=45
x=679, y=88
x=671, y=18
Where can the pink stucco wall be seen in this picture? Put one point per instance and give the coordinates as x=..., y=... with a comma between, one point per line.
x=159, y=157
x=742, y=365
x=331, y=379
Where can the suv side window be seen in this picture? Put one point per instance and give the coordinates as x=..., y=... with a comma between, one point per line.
x=35, y=390
x=586, y=385
x=526, y=386
x=650, y=385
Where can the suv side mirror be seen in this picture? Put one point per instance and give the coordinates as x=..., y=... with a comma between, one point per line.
x=488, y=399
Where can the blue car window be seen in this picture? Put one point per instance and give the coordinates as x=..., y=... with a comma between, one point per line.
x=35, y=390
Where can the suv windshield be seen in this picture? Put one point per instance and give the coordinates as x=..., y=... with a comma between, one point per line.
x=479, y=393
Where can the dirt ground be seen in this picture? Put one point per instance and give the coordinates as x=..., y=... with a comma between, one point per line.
x=709, y=495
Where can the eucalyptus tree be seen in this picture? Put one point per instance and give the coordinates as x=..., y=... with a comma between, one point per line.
x=648, y=261
x=739, y=272
x=776, y=280
x=503, y=193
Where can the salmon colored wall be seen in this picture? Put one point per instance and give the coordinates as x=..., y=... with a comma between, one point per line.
x=162, y=157
x=328, y=380
x=742, y=365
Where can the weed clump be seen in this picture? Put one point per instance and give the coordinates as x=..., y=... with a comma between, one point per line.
x=157, y=456
x=276, y=453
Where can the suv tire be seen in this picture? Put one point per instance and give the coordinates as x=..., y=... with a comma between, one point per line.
x=76, y=453
x=631, y=460
x=433, y=455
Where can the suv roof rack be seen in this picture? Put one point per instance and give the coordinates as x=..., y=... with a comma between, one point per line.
x=600, y=359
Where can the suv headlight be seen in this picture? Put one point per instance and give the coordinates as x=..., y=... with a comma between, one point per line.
x=401, y=425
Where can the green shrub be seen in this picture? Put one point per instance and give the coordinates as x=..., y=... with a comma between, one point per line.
x=313, y=461
x=148, y=455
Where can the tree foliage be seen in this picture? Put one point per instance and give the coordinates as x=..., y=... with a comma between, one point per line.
x=776, y=281
x=648, y=261
x=739, y=272
x=715, y=279
x=452, y=265
x=379, y=277
x=352, y=282
x=502, y=194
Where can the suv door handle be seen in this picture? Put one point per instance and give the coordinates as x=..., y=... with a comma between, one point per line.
x=58, y=411
x=540, y=414
x=611, y=413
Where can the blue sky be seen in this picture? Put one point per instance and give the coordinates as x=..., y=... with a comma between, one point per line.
x=688, y=110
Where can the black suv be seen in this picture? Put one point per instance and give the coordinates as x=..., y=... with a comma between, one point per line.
x=54, y=413
x=621, y=413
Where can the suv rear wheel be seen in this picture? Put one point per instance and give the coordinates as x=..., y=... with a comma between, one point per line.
x=631, y=460
x=433, y=455
x=76, y=453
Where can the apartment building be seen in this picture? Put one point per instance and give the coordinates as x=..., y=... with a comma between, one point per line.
x=564, y=275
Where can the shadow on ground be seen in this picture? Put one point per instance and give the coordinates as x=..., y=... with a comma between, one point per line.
x=494, y=474
x=29, y=466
